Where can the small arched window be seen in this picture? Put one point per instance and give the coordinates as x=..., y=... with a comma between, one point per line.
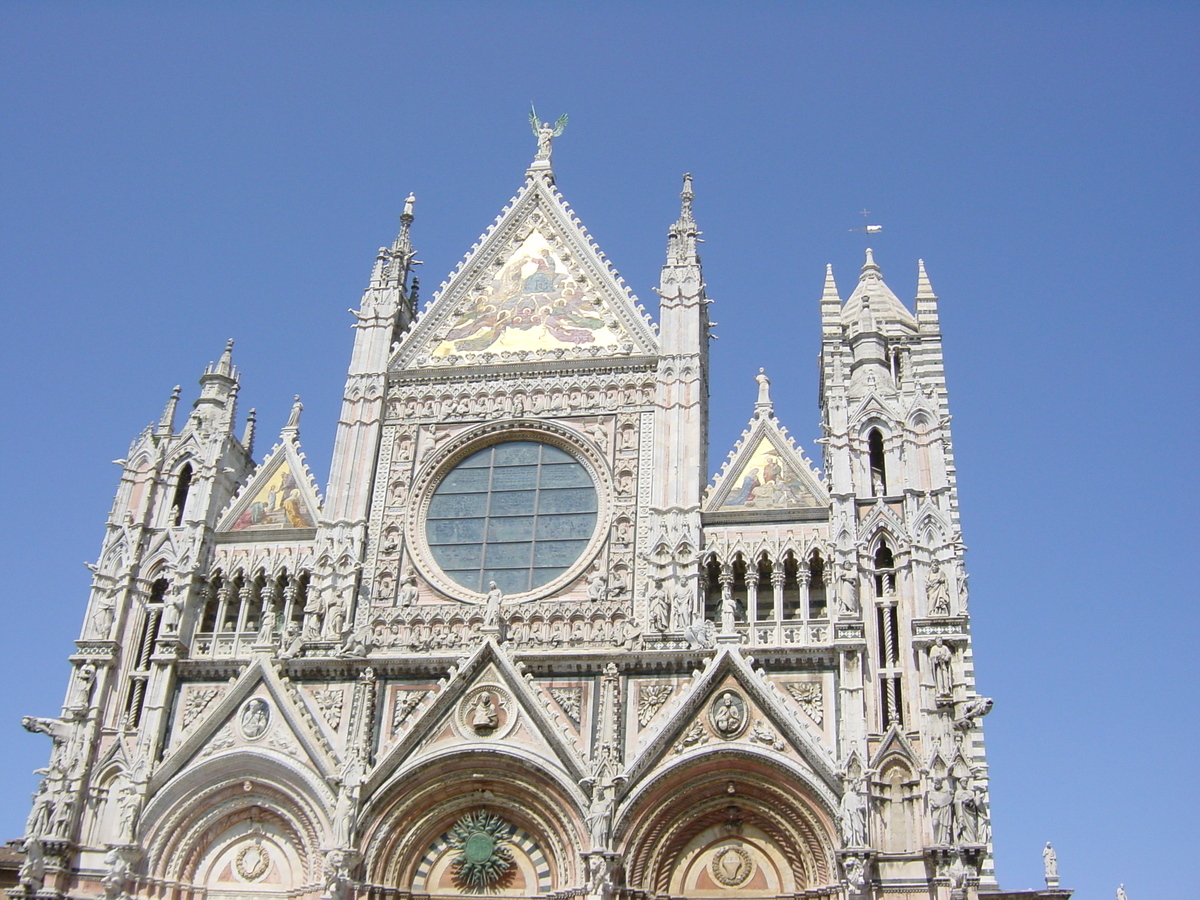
x=182, y=485
x=878, y=469
x=885, y=574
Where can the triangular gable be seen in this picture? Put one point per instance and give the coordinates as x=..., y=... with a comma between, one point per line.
x=766, y=471
x=768, y=724
x=874, y=405
x=534, y=287
x=280, y=495
x=285, y=721
x=434, y=725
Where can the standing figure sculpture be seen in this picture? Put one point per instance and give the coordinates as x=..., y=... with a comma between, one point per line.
x=940, y=659
x=545, y=133
x=491, y=606
x=659, y=608
x=852, y=816
x=937, y=591
x=848, y=591
x=941, y=811
x=1050, y=862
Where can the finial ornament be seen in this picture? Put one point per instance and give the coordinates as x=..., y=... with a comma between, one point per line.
x=545, y=133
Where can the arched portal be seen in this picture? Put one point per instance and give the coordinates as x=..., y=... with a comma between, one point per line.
x=474, y=823
x=731, y=824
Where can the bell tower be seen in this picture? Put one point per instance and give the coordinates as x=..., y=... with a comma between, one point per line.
x=899, y=558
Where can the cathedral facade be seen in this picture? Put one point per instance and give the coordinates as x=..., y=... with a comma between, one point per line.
x=522, y=646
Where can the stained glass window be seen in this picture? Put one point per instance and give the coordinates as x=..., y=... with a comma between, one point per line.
x=518, y=513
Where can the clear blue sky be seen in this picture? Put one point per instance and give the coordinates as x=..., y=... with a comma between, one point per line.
x=177, y=174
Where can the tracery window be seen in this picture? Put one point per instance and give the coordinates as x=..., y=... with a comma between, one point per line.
x=518, y=513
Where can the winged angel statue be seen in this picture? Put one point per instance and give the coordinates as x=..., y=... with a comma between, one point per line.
x=545, y=132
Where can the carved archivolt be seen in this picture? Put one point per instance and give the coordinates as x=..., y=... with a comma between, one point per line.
x=771, y=818
x=407, y=819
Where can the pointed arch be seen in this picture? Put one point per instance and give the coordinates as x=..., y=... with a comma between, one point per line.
x=179, y=497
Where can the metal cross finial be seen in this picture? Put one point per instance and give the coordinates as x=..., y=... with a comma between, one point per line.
x=867, y=228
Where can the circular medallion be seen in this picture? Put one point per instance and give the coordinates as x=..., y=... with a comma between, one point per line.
x=486, y=712
x=255, y=718
x=479, y=847
x=727, y=714
x=251, y=862
x=483, y=861
x=732, y=866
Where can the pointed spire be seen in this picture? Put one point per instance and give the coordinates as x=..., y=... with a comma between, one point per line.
x=293, y=422
x=684, y=235
x=166, y=425
x=831, y=291
x=225, y=363
x=831, y=306
x=927, y=301
x=248, y=434
x=870, y=265
x=924, y=288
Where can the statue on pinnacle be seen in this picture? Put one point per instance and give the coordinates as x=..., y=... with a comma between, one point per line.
x=545, y=133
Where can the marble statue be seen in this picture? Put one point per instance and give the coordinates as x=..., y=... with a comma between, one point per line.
x=938, y=591
x=1050, y=863
x=940, y=660
x=941, y=811
x=852, y=816
x=848, y=590
x=659, y=608
x=546, y=133
x=491, y=606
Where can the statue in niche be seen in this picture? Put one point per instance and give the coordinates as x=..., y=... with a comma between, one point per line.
x=848, y=590
x=966, y=813
x=1050, y=863
x=940, y=660
x=658, y=607
x=172, y=611
x=937, y=591
x=852, y=816
x=266, y=628
x=728, y=610
x=408, y=589
x=129, y=804
x=681, y=609
x=314, y=611
x=484, y=716
x=42, y=815
x=597, y=588
x=491, y=606
x=346, y=808
x=335, y=619
x=962, y=588
x=599, y=818
x=102, y=618
x=81, y=691
x=941, y=811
